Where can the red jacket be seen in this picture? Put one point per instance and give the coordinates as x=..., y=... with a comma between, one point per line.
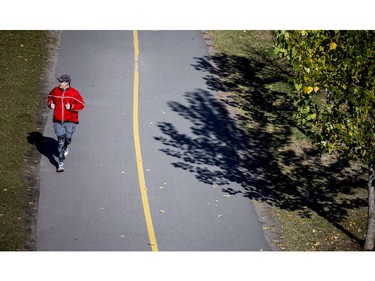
x=60, y=98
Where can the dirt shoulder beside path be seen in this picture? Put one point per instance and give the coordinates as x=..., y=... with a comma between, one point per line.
x=35, y=139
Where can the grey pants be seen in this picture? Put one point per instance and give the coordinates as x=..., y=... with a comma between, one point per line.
x=64, y=132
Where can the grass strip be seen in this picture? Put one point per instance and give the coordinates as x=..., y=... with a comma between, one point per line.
x=23, y=58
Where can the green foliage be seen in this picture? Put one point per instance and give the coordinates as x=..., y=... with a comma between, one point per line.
x=334, y=88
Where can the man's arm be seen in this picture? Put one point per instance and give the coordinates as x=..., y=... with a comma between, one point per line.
x=77, y=103
x=50, y=103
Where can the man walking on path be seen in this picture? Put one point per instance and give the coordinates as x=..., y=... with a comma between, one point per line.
x=66, y=103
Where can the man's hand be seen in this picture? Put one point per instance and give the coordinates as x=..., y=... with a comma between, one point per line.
x=68, y=106
x=52, y=105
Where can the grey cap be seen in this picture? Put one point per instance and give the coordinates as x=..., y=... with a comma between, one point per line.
x=64, y=78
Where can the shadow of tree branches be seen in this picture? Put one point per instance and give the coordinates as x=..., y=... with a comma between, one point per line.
x=253, y=149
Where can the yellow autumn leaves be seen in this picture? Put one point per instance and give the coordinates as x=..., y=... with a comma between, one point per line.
x=332, y=46
x=309, y=89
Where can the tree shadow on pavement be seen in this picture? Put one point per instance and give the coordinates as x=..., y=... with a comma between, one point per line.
x=253, y=149
x=45, y=145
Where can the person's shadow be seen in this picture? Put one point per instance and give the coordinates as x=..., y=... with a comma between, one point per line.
x=45, y=145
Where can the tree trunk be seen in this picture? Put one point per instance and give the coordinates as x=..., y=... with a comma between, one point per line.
x=370, y=237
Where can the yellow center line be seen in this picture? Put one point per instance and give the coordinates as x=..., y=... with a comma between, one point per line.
x=138, y=154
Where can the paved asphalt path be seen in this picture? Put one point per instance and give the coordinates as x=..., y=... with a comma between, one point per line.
x=96, y=203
